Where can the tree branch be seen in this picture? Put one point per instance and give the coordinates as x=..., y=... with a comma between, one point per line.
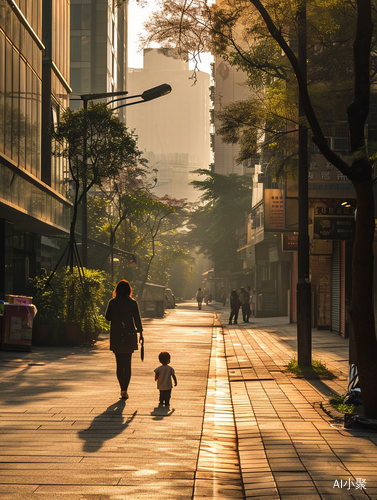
x=319, y=138
x=358, y=111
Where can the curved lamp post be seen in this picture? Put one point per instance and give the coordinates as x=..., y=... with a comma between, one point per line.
x=147, y=95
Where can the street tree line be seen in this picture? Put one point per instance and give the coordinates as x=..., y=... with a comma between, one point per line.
x=133, y=232
x=261, y=39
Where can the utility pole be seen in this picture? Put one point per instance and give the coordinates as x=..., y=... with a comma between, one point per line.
x=304, y=312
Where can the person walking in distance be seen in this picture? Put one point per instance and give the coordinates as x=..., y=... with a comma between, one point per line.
x=235, y=305
x=245, y=298
x=252, y=303
x=199, y=297
x=164, y=375
x=249, y=304
x=123, y=313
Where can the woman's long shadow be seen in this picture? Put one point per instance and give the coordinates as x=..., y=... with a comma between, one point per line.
x=105, y=426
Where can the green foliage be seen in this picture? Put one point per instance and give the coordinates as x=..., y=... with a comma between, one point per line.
x=82, y=297
x=235, y=31
x=318, y=369
x=213, y=226
x=46, y=301
x=167, y=258
x=337, y=402
x=95, y=143
x=97, y=147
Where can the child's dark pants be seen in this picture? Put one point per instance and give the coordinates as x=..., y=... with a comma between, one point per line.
x=165, y=397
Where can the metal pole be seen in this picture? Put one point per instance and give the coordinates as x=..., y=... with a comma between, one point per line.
x=84, y=205
x=304, y=327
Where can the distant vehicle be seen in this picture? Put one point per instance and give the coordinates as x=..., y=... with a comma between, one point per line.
x=169, y=299
x=152, y=302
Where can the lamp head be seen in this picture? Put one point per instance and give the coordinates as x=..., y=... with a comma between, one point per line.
x=156, y=92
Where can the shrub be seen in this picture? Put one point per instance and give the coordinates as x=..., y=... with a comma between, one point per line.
x=82, y=298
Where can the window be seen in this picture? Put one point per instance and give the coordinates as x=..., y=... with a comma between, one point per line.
x=76, y=17
x=75, y=48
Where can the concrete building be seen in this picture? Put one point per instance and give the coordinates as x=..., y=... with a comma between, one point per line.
x=34, y=88
x=229, y=87
x=173, y=131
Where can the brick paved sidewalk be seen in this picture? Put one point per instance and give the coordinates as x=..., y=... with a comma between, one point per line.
x=239, y=426
x=289, y=447
x=65, y=434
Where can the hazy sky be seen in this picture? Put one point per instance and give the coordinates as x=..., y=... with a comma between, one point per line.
x=137, y=16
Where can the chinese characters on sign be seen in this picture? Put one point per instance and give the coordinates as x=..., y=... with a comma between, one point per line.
x=274, y=209
x=325, y=172
x=277, y=211
x=289, y=242
x=334, y=223
x=334, y=211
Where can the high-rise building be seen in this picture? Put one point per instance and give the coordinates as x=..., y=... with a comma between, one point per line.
x=98, y=47
x=173, y=131
x=34, y=87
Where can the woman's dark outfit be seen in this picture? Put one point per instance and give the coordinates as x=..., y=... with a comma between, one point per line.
x=235, y=305
x=123, y=340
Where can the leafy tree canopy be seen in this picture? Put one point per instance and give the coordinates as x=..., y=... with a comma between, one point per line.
x=227, y=200
x=96, y=144
x=267, y=123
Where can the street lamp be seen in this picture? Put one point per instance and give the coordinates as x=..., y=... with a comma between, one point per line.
x=147, y=95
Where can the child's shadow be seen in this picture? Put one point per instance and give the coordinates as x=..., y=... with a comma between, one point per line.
x=105, y=426
x=160, y=412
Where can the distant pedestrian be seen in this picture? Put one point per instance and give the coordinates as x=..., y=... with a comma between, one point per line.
x=123, y=312
x=252, y=303
x=164, y=375
x=235, y=305
x=223, y=298
x=244, y=298
x=199, y=297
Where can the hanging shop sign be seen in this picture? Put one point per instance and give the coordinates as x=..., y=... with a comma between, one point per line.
x=334, y=223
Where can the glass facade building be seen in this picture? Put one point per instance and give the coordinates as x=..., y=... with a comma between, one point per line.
x=32, y=187
x=98, y=47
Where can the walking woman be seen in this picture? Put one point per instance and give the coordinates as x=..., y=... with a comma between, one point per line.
x=235, y=305
x=123, y=312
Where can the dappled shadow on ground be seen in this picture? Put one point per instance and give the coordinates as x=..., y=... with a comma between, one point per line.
x=44, y=373
x=105, y=426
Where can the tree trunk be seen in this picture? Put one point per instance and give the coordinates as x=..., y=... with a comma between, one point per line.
x=361, y=311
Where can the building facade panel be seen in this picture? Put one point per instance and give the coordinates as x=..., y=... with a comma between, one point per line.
x=29, y=206
x=98, y=31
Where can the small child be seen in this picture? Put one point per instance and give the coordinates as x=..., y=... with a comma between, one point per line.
x=163, y=376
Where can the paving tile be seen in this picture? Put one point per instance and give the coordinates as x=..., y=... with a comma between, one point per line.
x=241, y=416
